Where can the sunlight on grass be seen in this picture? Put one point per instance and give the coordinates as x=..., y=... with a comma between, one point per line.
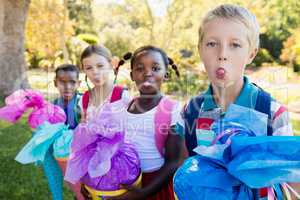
x=20, y=181
x=296, y=127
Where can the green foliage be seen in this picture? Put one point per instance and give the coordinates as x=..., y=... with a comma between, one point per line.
x=280, y=17
x=126, y=25
x=88, y=38
x=187, y=85
x=263, y=56
x=135, y=23
x=75, y=46
x=1, y=101
x=118, y=45
x=276, y=18
x=291, y=51
x=33, y=59
x=272, y=44
x=81, y=12
x=296, y=126
x=46, y=30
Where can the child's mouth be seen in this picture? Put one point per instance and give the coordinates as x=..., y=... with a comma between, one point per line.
x=220, y=73
x=68, y=94
x=147, y=83
x=97, y=79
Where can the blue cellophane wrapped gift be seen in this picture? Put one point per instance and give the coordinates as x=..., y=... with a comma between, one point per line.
x=240, y=160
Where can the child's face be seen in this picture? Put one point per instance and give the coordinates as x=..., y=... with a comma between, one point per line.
x=148, y=72
x=98, y=69
x=225, y=51
x=67, y=83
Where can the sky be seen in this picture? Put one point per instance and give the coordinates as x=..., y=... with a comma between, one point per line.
x=158, y=6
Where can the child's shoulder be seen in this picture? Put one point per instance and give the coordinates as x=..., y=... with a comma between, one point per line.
x=171, y=106
x=278, y=112
x=170, y=102
x=194, y=104
x=280, y=120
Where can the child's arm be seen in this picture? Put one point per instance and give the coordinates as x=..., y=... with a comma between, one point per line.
x=83, y=117
x=296, y=187
x=173, y=156
x=282, y=127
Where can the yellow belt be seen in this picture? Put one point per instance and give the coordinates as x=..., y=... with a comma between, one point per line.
x=96, y=194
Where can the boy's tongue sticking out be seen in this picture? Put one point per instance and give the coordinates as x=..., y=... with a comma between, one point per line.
x=220, y=73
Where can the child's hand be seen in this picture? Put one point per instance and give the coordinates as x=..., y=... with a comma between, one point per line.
x=134, y=193
x=85, y=193
x=83, y=120
x=296, y=187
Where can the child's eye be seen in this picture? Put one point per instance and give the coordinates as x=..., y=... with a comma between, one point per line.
x=99, y=66
x=211, y=44
x=156, y=68
x=236, y=45
x=87, y=67
x=61, y=82
x=139, y=68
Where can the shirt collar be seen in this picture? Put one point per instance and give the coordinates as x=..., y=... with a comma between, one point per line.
x=246, y=98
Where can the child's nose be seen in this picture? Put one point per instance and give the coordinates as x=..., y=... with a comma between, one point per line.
x=223, y=53
x=148, y=72
x=222, y=58
x=68, y=85
x=96, y=72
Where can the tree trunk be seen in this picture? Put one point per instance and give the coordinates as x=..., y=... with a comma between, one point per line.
x=13, y=15
x=62, y=33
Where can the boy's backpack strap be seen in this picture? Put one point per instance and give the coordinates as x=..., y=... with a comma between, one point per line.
x=263, y=104
x=162, y=121
x=190, y=115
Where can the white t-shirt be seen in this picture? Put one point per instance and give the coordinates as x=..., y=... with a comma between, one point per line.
x=140, y=129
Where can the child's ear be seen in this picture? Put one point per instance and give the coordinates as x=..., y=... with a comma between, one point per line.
x=82, y=68
x=114, y=63
x=167, y=76
x=131, y=76
x=252, y=55
x=199, y=50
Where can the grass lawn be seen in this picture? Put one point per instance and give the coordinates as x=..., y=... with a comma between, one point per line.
x=296, y=126
x=20, y=181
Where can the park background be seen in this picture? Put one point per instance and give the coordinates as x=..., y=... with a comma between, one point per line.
x=38, y=35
